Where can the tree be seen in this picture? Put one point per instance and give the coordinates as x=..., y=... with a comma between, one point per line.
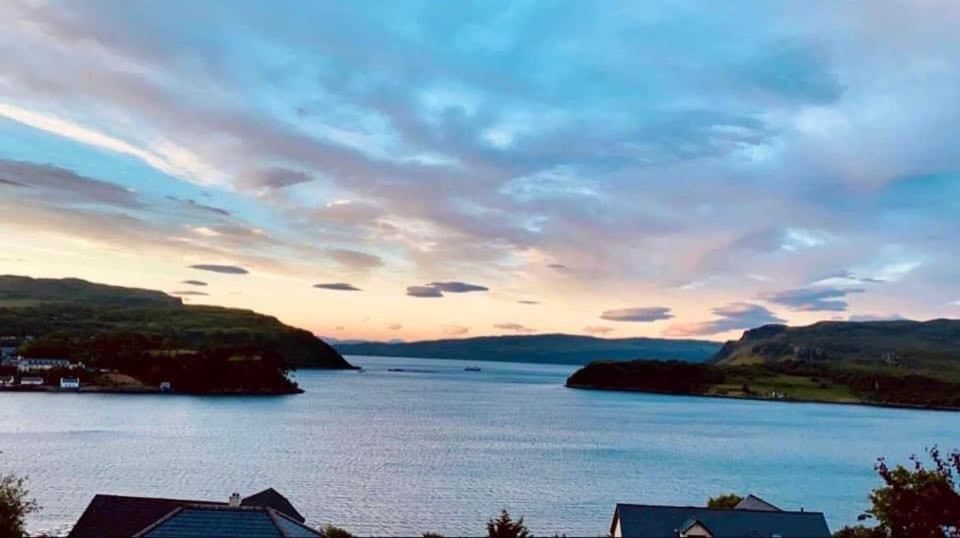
x=432, y=535
x=15, y=506
x=730, y=500
x=505, y=527
x=917, y=501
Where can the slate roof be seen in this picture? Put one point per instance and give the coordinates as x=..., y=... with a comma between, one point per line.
x=117, y=515
x=272, y=498
x=650, y=521
x=752, y=502
x=203, y=521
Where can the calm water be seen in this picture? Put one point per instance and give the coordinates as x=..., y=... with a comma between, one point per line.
x=402, y=453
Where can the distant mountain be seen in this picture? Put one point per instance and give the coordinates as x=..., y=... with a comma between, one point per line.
x=929, y=348
x=68, y=312
x=540, y=348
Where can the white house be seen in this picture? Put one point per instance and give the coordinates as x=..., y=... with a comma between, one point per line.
x=7, y=380
x=31, y=381
x=69, y=382
x=31, y=365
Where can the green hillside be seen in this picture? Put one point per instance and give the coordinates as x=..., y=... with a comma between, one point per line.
x=152, y=336
x=930, y=348
x=905, y=363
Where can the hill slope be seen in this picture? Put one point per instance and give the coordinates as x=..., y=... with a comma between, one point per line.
x=930, y=348
x=69, y=312
x=540, y=348
x=905, y=363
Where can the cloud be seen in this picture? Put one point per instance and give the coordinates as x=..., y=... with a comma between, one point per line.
x=642, y=314
x=188, y=293
x=876, y=317
x=394, y=327
x=194, y=205
x=423, y=291
x=812, y=299
x=559, y=267
x=457, y=287
x=595, y=329
x=276, y=178
x=528, y=302
x=224, y=269
x=515, y=327
x=733, y=316
x=194, y=282
x=46, y=182
x=354, y=259
x=455, y=330
x=338, y=286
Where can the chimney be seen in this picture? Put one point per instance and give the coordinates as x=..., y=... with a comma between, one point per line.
x=234, y=500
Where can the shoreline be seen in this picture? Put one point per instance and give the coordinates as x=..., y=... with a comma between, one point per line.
x=790, y=401
x=147, y=391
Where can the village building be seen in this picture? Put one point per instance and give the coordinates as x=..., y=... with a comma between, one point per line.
x=69, y=382
x=267, y=513
x=753, y=516
x=31, y=364
x=31, y=380
x=7, y=381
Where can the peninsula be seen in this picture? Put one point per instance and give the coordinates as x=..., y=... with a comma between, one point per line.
x=895, y=363
x=134, y=340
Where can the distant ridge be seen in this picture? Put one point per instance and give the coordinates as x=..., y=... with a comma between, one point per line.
x=540, y=348
x=26, y=291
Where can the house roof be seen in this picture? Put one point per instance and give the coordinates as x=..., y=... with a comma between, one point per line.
x=752, y=502
x=203, y=521
x=117, y=515
x=650, y=521
x=272, y=498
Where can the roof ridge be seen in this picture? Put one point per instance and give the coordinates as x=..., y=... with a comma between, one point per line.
x=716, y=509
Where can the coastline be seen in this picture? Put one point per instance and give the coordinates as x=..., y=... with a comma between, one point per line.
x=784, y=400
x=150, y=391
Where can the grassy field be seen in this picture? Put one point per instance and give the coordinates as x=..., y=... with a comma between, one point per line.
x=785, y=387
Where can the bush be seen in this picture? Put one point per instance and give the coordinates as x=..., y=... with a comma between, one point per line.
x=730, y=500
x=505, y=527
x=335, y=532
x=15, y=506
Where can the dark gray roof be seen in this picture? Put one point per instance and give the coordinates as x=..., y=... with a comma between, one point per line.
x=272, y=498
x=203, y=521
x=116, y=515
x=649, y=521
x=752, y=502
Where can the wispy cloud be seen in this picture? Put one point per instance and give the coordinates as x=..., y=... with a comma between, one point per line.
x=642, y=314
x=731, y=317
x=598, y=329
x=337, y=286
x=514, y=327
x=224, y=269
x=813, y=299
x=457, y=287
x=424, y=292
x=194, y=282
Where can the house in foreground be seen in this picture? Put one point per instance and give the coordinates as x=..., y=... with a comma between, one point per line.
x=753, y=517
x=263, y=514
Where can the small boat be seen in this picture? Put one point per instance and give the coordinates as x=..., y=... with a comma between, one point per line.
x=472, y=369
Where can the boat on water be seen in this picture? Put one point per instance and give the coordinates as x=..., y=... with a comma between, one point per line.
x=472, y=369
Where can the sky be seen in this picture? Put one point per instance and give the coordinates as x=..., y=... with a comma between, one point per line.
x=413, y=170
